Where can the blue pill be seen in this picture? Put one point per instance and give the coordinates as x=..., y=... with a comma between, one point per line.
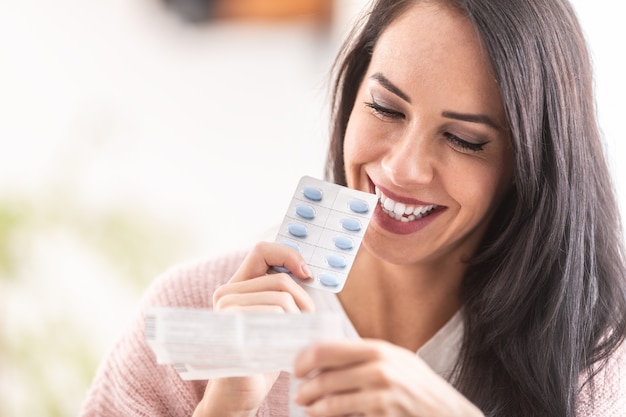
x=281, y=269
x=336, y=261
x=359, y=206
x=343, y=242
x=312, y=193
x=291, y=244
x=305, y=211
x=297, y=230
x=328, y=280
x=350, y=224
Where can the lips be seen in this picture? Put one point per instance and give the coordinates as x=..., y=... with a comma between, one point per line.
x=403, y=211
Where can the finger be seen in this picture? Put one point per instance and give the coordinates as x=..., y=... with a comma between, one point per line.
x=334, y=381
x=359, y=403
x=283, y=300
x=281, y=283
x=335, y=354
x=267, y=254
x=254, y=309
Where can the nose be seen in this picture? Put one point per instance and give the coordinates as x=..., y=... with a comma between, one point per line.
x=410, y=160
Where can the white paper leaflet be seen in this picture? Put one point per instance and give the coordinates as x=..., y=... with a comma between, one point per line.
x=203, y=344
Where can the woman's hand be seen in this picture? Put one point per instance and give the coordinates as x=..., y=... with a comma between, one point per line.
x=252, y=288
x=373, y=378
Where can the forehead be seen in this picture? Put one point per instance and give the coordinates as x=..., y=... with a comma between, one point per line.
x=431, y=43
x=434, y=28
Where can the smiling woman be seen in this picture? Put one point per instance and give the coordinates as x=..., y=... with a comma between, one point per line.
x=494, y=253
x=516, y=283
x=426, y=116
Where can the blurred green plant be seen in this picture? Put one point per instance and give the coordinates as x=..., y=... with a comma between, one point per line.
x=48, y=361
x=52, y=368
x=132, y=241
x=14, y=215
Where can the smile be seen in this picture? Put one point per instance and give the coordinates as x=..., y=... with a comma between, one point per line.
x=403, y=212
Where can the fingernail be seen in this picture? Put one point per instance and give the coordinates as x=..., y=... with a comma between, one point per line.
x=306, y=270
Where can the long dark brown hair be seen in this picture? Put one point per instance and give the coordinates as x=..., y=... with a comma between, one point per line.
x=545, y=296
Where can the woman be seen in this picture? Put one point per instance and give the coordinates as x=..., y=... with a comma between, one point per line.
x=495, y=252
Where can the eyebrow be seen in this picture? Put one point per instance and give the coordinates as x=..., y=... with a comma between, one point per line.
x=466, y=117
x=384, y=81
x=473, y=118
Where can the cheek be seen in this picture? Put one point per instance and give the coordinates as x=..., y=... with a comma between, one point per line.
x=354, y=157
x=366, y=135
x=359, y=144
x=480, y=193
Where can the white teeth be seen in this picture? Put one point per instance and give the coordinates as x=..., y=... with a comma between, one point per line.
x=399, y=208
x=389, y=204
x=401, y=211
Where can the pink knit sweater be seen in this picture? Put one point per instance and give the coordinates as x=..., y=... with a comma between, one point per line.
x=129, y=382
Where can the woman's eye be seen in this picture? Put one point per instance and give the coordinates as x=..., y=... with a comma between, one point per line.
x=384, y=112
x=464, y=145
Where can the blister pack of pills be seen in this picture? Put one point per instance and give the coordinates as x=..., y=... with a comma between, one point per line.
x=326, y=223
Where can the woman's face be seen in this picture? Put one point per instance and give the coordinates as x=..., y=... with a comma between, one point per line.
x=428, y=134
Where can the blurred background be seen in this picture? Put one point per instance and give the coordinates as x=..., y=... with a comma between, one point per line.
x=138, y=134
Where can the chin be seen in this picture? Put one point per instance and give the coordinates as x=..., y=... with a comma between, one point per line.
x=376, y=248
